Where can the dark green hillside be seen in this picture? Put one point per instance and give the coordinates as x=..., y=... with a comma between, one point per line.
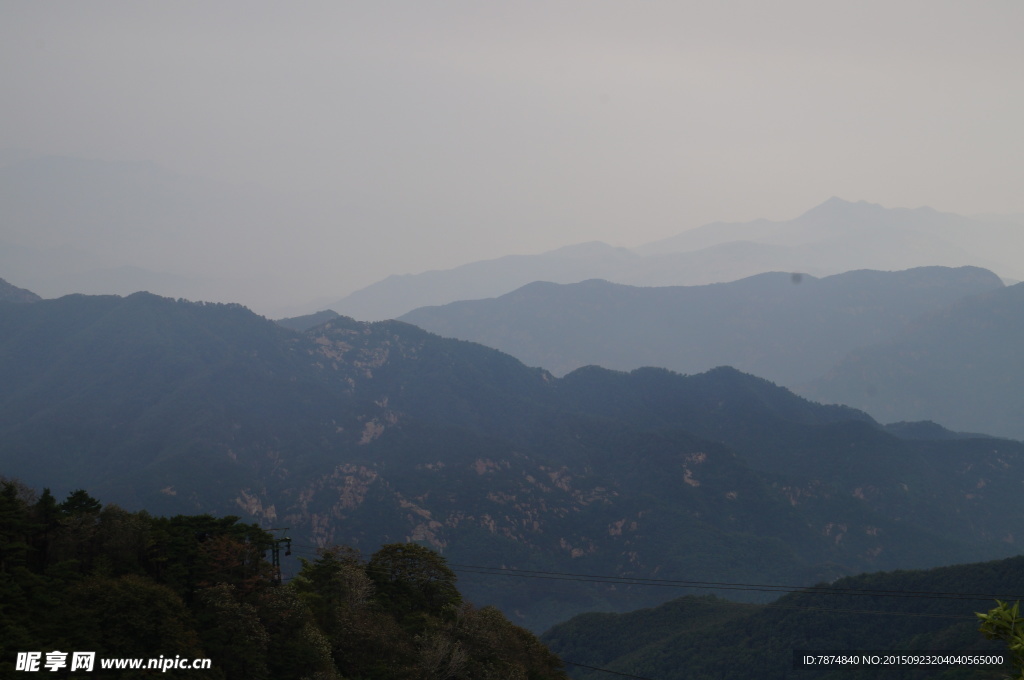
x=722, y=404
x=707, y=638
x=366, y=434
x=80, y=576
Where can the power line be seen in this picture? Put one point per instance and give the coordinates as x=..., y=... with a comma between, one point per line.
x=484, y=570
x=724, y=585
x=757, y=587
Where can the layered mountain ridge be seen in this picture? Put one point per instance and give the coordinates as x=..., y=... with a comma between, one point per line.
x=789, y=328
x=930, y=343
x=834, y=237
x=371, y=433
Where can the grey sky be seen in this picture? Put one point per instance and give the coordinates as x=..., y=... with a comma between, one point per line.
x=464, y=130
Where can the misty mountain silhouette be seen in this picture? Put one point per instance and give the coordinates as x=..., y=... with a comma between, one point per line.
x=767, y=325
x=961, y=365
x=831, y=238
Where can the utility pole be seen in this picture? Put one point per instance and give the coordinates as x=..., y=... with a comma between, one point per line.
x=275, y=550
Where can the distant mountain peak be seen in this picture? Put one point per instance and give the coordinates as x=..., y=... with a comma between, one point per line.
x=836, y=206
x=839, y=208
x=838, y=235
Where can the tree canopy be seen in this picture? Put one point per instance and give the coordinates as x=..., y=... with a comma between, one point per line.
x=81, y=576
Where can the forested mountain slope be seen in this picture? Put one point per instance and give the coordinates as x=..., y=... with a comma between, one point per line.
x=78, y=576
x=366, y=434
x=901, y=612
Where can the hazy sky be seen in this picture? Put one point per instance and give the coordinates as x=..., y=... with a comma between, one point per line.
x=456, y=131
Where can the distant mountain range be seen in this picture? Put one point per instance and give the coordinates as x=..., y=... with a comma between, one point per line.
x=788, y=329
x=398, y=294
x=930, y=343
x=834, y=237
x=369, y=433
x=76, y=225
x=963, y=365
